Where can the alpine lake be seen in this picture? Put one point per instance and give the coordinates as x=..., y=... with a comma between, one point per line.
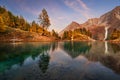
x=60, y=61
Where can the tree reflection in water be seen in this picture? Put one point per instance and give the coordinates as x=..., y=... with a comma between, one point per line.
x=74, y=49
x=115, y=47
x=110, y=60
x=16, y=54
x=44, y=62
x=34, y=61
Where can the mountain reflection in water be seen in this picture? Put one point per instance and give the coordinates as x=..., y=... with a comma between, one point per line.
x=60, y=61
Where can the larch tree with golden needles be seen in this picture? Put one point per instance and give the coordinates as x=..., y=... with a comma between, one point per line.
x=2, y=26
x=44, y=20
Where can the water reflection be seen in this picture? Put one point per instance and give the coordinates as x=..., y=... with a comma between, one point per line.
x=74, y=49
x=54, y=46
x=16, y=54
x=44, y=62
x=106, y=47
x=111, y=61
x=115, y=47
x=60, y=61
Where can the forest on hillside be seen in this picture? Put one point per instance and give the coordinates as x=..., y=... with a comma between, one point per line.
x=9, y=21
x=16, y=24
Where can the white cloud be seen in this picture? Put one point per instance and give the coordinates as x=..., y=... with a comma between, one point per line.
x=79, y=6
x=83, y=4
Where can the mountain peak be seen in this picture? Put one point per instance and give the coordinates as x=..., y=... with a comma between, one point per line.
x=73, y=22
x=97, y=26
x=73, y=26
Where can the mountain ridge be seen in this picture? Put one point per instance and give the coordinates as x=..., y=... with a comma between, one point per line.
x=97, y=26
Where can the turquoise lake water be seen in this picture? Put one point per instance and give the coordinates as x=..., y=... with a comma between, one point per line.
x=60, y=61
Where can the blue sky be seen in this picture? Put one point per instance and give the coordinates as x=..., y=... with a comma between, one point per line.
x=61, y=12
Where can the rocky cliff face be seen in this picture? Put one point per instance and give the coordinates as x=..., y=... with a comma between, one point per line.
x=97, y=25
x=110, y=20
x=90, y=23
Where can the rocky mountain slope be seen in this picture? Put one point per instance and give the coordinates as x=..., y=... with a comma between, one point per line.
x=110, y=21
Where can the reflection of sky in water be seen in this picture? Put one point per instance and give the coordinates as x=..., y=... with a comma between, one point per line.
x=79, y=68
x=63, y=65
x=29, y=60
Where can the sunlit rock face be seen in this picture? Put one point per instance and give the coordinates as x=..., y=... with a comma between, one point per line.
x=97, y=25
x=111, y=20
x=91, y=23
x=106, y=24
